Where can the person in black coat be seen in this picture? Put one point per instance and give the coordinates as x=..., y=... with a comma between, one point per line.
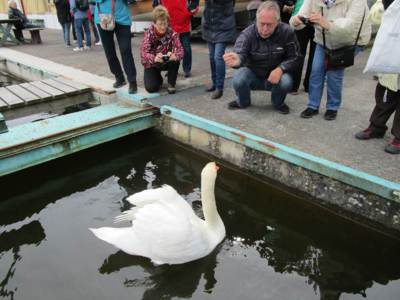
x=64, y=17
x=218, y=29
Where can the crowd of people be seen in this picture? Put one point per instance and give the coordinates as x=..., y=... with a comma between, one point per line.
x=268, y=54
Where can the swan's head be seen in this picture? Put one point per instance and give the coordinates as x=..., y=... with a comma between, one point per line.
x=210, y=171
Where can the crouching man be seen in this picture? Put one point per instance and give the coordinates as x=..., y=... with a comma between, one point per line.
x=265, y=54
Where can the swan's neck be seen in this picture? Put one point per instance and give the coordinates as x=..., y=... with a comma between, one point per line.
x=208, y=202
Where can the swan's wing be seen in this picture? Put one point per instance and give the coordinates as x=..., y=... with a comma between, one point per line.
x=169, y=235
x=165, y=194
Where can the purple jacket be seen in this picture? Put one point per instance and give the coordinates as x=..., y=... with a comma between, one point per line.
x=263, y=55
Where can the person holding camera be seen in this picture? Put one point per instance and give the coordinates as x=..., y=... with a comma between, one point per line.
x=338, y=24
x=161, y=50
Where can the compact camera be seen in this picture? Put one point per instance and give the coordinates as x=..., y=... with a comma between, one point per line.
x=306, y=21
x=165, y=58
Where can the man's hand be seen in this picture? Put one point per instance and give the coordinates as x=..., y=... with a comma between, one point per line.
x=317, y=18
x=287, y=8
x=275, y=75
x=231, y=59
x=296, y=21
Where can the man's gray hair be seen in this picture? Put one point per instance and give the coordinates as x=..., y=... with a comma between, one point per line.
x=269, y=5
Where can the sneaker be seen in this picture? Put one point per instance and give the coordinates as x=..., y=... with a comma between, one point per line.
x=234, y=105
x=132, y=88
x=118, y=83
x=283, y=109
x=68, y=45
x=309, y=113
x=217, y=94
x=393, y=147
x=187, y=74
x=86, y=48
x=330, y=115
x=98, y=43
x=77, y=49
x=171, y=89
x=210, y=89
x=369, y=133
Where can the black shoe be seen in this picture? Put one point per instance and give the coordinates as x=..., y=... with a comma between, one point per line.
x=118, y=83
x=171, y=89
x=369, y=133
x=283, y=109
x=187, y=74
x=217, y=94
x=210, y=89
x=330, y=115
x=234, y=105
x=309, y=113
x=132, y=87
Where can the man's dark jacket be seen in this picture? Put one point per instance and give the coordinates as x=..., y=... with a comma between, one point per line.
x=63, y=11
x=218, y=21
x=264, y=55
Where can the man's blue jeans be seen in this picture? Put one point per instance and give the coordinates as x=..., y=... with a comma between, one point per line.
x=78, y=25
x=216, y=51
x=187, y=49
x=245, y=80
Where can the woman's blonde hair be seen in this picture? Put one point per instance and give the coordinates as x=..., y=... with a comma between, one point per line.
x=160, y=13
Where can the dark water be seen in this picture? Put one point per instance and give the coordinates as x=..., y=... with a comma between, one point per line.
x=276, y=246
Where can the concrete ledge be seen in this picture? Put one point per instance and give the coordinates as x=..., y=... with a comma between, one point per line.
x=358, y=195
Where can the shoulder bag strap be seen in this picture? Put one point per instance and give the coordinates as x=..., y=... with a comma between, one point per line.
x=359, y=30
x=323, y=30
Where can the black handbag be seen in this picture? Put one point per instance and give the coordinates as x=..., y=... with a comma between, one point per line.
x=343, y=57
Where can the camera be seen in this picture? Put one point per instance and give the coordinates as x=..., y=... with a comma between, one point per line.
x=306, y=21
x=165, y=58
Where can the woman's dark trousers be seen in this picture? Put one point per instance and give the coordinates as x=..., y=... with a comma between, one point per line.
x=304, y=36
x=153, y=79
x=123, y=34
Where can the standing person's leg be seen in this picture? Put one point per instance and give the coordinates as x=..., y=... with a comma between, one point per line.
x=78, y=29
x=187, y=57
x=220, y=70
x=211, y=54
x=172, y=67
x=303, y=42
x=394, y=146
x=317, y=79
x=73, y=29
x=67, y=33
x=86, y=27
x=244, y=80
x=107, y=38
x=334, y=91
x=95, y=31
x=312, y=44
x=152, y=79
x=123, y=33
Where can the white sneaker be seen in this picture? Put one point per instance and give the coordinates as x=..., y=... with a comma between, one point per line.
x=86, y=48
x=77, y=49
x=98, y=43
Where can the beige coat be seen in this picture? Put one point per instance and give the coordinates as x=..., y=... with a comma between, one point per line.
x=345, y=19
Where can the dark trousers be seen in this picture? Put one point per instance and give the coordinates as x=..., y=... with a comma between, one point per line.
x=123, y=34
x=187, y=48
x=153, y=79
x=304, y=36
x=387, y=103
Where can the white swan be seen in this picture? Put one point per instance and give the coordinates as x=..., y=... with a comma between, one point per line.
x=164, y=226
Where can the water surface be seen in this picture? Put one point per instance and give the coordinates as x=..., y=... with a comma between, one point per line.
x=277, y=247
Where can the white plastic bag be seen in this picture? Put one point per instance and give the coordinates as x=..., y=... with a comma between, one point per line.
x=384, y=57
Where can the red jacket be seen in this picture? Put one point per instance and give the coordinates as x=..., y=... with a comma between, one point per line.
x=179, y=15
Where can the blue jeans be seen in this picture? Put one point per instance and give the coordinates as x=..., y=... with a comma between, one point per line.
x=334, y=81
x=245, y=80
x=216, y=51
x=187, y=48
x=78, y=25
x=66, y=32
